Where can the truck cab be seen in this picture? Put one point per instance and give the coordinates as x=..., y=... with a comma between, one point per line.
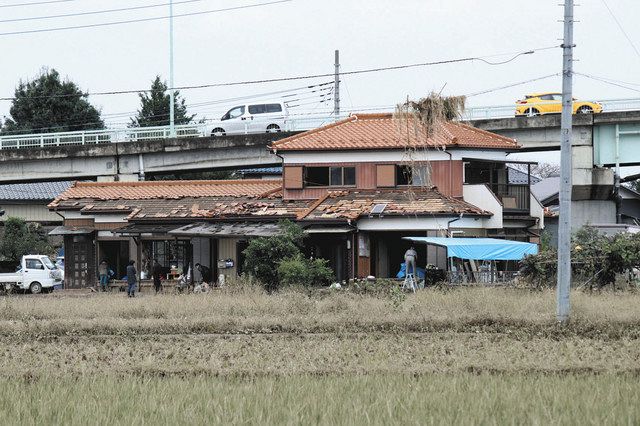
x=36, y=273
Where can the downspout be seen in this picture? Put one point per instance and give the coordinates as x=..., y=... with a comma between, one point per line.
x=450, y=171
x=140, y=168
x=450, y=222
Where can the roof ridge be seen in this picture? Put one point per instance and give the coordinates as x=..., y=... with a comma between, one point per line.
x=485, y=132
x=176, y=183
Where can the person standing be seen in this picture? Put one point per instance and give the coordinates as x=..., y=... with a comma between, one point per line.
x=157, y=272
x=132, y=278
x=103, y=275
x=205, y=271
x=410, y=257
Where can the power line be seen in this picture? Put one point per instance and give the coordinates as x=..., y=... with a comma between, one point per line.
x=97, y=12
x=606, y=82
x=130, y=21
x=34, y=3
x=621, y=28
x=507, y=86
x=281, y=79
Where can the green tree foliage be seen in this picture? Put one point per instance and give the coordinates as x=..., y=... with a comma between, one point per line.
x=307, y=272
x=49, y=104
x=22, y=238
x=267, y=258
x=595, y=258
x=154, y=110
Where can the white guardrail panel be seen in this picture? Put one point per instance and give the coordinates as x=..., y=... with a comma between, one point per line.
x=292, y=124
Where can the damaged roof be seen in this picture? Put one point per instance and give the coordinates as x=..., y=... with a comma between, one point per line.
x=383, y=131
x=84, y=192
x=353, y=204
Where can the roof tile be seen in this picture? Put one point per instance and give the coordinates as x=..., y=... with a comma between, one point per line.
x=383, y=131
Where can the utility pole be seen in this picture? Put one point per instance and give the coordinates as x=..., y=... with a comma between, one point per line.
x=564, y=230
x=336, y=87
x=172, y=113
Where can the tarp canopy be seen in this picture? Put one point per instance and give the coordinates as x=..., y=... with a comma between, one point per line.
x=480, y=248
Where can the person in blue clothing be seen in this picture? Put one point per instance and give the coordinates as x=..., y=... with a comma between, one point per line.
x=132, y=278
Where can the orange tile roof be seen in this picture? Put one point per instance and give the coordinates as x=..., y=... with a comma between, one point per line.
x=383, y=131
x=168, y=190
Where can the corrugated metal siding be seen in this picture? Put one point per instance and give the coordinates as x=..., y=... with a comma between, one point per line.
x=227, y=250
x=30, y=213
x=366, y=176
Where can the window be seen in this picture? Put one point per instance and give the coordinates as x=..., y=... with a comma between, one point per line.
x=274, y=108
x=330, y=176
x=234, y=113
x=547, y=97
x=170, y=253
x=413, y=176
x=257, y=109
x=34, y=264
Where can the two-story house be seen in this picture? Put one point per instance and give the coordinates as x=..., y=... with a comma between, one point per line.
x=384, y=178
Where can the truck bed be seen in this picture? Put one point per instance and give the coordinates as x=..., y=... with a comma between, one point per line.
x=11, y=277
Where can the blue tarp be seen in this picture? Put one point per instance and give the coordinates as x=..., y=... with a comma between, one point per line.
x=403, y=271
x=480, y=248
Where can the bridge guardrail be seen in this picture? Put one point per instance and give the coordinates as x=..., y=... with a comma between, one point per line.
x=292, y=123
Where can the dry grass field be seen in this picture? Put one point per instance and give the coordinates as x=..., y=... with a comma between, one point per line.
x=239, y=355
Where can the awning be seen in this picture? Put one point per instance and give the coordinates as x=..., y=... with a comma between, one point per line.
x=70, y=230
x=138, y=229
x=329, y=230
x=233, y=229
x=480, y=248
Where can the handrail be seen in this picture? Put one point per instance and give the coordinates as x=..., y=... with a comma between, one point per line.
x=292, y=123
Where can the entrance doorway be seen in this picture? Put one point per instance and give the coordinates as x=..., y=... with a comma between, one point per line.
x=116, y=253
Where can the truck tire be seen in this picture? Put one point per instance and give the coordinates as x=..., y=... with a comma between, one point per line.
x=36, y=288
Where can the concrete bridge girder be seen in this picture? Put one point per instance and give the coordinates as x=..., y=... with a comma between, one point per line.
x=107, y=161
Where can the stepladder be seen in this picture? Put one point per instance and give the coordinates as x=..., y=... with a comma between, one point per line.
x=410, y=283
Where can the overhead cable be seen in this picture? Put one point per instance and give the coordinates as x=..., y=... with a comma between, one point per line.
x=97, y=12
x=130, y=21
x=34, y=3
x=280, y=79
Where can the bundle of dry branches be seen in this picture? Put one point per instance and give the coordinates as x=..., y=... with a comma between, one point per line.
x=432, y=110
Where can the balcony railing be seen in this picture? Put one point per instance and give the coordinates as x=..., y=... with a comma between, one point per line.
x=514, y=198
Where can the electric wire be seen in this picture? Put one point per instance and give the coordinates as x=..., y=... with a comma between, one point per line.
x=622, y=28
x=606, y=82
x=130, y=21
x=34, y=3
x=97, y=12
x=280, y=79
x=507, y=86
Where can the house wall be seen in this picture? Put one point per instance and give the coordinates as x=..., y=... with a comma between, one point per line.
x=30, y=213
x=446, y=175
x=481, y=196
x=227, y=249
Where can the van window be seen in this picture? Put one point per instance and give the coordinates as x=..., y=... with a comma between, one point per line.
x=257, y=109
x=234, y=113
x=274, y=108
x=34, y=264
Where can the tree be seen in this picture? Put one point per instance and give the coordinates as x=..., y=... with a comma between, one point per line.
x=22, y=238
x=154, y=110
x=541, y=170
x=49, y=104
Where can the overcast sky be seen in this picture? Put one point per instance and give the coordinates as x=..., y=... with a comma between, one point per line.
x=299, y=37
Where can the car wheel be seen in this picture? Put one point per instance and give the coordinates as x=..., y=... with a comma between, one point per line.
x=36, y=288
x=532, y=112
x=585, y=109
x=218, y=131
x=273, y=128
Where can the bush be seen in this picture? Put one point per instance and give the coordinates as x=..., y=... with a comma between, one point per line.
x=306, y=272
x=22, y=238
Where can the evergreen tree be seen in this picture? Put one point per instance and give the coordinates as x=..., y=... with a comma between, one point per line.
x=48, y=104
x=154, y=109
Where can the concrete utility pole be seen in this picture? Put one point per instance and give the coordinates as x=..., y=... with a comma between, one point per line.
x=336, y=87
x=564, y=229
x=172, y=113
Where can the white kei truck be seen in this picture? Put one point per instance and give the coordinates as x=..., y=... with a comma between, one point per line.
x=37, y=274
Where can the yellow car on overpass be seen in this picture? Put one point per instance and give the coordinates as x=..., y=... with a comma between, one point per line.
x=551, y=103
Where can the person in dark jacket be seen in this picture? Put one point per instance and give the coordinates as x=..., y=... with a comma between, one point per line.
x=205, y=271
x=132, y=278
x=157, y=272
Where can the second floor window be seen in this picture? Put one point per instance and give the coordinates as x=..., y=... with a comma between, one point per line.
x=417, y=175
x=330, y=176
